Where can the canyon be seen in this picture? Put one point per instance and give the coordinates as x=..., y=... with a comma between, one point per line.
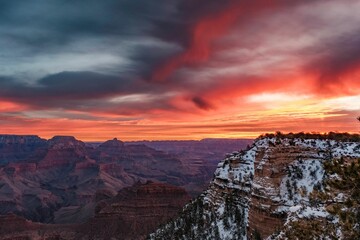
x=281, y=186
x=55, y=186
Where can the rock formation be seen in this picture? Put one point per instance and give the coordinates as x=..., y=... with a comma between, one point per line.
x=56, y=180
x=277, y=185
x=16, y=148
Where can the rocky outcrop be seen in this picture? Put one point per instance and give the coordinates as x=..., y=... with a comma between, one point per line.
x=258, y=192
x=112, y=147
x=63, y=151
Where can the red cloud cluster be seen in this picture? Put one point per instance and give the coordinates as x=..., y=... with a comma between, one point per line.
x=262, y=50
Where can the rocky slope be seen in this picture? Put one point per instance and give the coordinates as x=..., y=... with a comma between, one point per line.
x=56, y=180
x=280, y=188
x=132, y=214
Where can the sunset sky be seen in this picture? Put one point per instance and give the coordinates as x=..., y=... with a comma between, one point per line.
x=178, y=69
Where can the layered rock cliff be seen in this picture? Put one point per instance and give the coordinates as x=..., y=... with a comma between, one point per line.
x=272, y=189
x=16, y=148
x=56, y=180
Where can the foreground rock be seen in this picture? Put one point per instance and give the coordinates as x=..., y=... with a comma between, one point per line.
x=283, y=187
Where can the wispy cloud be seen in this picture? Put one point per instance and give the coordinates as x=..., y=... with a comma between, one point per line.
x=204, y=67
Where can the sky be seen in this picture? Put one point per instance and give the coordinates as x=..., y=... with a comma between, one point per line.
x=178, y=69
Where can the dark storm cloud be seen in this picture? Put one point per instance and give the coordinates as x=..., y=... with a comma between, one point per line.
x=201, y=103
x=343, y=55
x=334, y=59
x=39, y=28
x=34, y=28
x=178, y=29
x=163, y=29
x=65, y=86
x=86, y=92
x=44, y=26
x=62, y=21
x=81, y=85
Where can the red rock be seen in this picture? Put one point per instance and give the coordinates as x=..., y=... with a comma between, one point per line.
x=63, y=151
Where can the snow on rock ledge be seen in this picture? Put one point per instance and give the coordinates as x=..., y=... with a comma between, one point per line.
x=268, y=185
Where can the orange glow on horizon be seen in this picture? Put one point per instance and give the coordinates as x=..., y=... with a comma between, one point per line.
x=298, y=113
